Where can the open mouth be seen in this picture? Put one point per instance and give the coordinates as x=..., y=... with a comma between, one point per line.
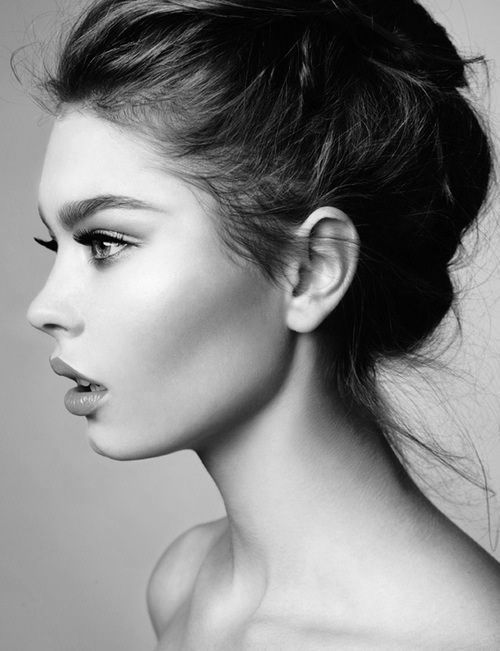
x=85, y=386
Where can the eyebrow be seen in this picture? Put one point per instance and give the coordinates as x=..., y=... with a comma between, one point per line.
x=74, y=212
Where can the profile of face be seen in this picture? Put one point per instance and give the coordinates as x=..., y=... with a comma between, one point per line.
x=189, y=342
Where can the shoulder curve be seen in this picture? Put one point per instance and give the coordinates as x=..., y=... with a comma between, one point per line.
x=176, y=569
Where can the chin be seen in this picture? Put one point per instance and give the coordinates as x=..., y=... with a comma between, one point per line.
x=118, y=449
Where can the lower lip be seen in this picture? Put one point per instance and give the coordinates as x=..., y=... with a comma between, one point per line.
x=81, y=402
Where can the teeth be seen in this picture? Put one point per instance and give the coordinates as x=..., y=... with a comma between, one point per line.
x=83, y=383
x=86, y=384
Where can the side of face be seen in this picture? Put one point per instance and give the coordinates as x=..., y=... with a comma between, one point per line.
x=189, y=343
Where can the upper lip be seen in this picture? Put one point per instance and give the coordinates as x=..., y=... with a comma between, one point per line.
x=61, y=368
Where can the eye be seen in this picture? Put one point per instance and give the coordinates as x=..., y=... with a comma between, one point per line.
x=100, y=243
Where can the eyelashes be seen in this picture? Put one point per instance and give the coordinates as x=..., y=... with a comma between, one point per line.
x=48, y=244
x=104, y=239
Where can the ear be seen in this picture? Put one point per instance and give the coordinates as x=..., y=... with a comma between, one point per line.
x=321, y=278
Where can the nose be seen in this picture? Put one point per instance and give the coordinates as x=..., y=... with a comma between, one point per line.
x=55, y=308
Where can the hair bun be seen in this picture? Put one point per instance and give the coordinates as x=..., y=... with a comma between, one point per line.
x=396, y=33
x=403, y=35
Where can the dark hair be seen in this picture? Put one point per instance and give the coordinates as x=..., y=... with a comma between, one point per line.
x=282, y=106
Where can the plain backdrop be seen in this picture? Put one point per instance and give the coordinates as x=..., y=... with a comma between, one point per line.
x=80, y=533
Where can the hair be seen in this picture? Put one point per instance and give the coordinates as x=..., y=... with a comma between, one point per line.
x=278, y=107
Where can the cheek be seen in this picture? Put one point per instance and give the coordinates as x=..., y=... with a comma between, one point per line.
x=195, y=348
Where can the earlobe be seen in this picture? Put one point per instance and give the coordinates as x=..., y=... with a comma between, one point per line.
x=323, y=276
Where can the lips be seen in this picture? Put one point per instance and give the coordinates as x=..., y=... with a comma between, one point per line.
x=61, y=368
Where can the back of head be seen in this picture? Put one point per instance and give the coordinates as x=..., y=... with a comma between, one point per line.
x=279, y=107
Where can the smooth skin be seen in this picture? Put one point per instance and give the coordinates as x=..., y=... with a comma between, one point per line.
x=325, y=544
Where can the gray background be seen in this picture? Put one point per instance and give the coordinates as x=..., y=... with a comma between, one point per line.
x=81, y=533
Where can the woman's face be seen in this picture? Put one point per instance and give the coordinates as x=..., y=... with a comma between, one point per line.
x=188, y=342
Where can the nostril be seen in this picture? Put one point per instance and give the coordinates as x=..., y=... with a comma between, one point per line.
x=43, y=319
x=38, y=317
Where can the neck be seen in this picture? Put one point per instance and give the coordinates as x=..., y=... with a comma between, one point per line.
x=310, y=492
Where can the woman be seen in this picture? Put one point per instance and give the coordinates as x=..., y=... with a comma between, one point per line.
x=255, y=204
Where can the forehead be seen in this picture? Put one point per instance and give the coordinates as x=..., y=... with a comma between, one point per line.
x=88, y=156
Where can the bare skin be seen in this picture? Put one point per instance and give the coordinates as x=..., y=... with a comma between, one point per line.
x=325, y=546
x=178, y=601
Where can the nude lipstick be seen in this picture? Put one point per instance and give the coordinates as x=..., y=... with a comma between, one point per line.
x=87, y=396
x=81, y=402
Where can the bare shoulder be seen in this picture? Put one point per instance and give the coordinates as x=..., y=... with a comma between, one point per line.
x=175, y=571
